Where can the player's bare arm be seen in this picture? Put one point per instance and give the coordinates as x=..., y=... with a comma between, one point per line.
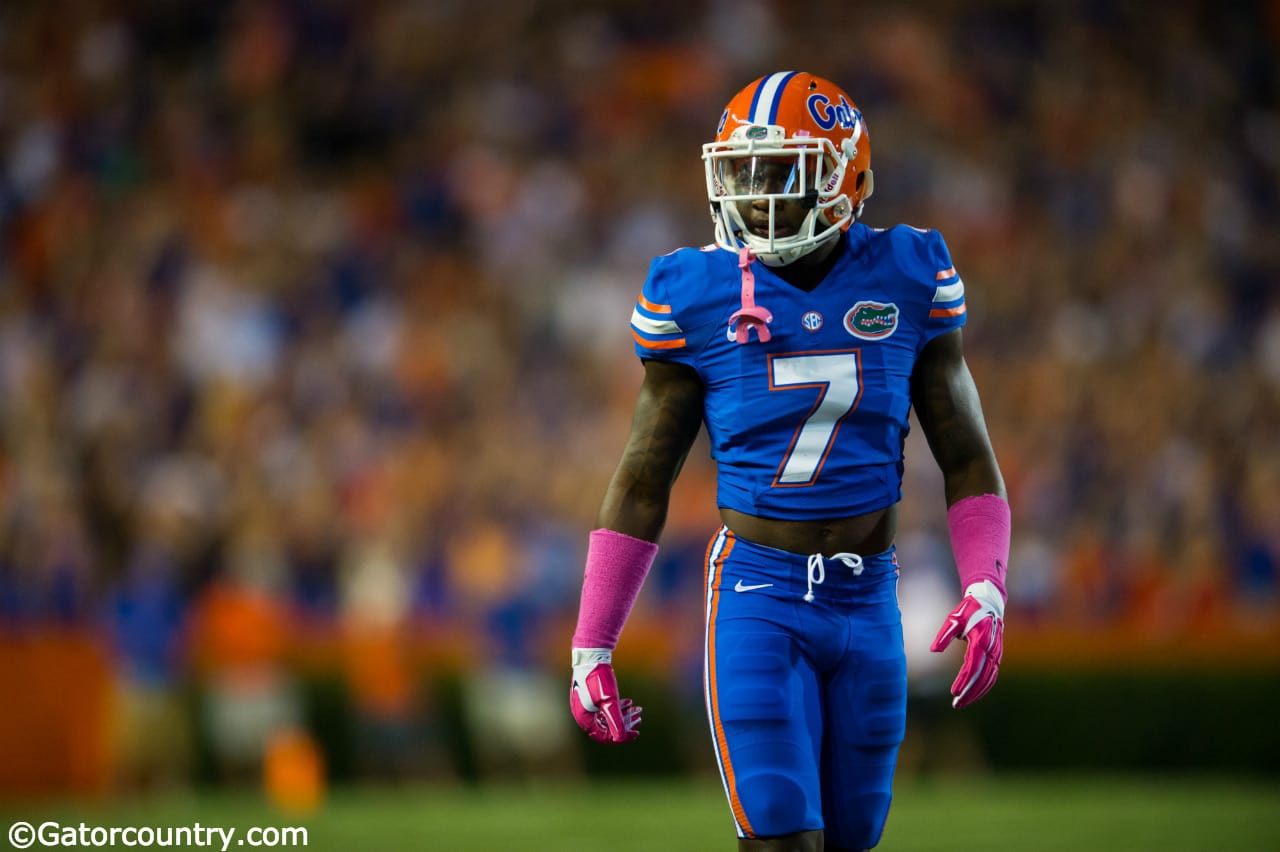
x=950, y=414
x=947, y=406
x=667, y=417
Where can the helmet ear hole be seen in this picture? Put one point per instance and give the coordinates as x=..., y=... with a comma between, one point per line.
x=838, y=211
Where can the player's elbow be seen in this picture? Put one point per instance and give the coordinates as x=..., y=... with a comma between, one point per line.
x=640, y=512
x=647, y=494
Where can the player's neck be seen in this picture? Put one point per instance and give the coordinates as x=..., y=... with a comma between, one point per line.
x=807, y=272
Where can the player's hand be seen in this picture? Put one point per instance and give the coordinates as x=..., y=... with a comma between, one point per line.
x=979, y=620
x=594, y=699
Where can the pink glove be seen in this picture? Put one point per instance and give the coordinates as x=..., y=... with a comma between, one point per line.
x=979, y=619
x=594, y=700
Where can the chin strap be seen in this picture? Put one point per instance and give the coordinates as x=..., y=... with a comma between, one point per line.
x=750, y=315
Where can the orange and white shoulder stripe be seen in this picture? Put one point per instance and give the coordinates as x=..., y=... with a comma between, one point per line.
x=653, y=327
x=948, y=299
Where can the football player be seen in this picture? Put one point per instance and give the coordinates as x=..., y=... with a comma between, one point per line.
x=802, y=339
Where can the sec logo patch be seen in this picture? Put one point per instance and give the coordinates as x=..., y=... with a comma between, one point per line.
x=812, y=320
x=872, y=320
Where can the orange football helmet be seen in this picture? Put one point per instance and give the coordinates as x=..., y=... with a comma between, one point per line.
x=790, y=167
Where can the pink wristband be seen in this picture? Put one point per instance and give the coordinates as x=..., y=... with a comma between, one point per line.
x=617, y=565
x=980, y=531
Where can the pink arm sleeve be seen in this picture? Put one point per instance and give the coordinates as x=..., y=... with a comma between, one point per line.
x=980, y=530
x=617, y=565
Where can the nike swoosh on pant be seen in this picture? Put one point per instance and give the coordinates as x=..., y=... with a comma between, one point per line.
x=741, y=588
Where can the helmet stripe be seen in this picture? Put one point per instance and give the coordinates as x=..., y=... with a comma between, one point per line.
x=768, y=96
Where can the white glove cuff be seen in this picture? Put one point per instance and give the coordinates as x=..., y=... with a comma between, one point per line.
x=986, y=593
x=591, y=656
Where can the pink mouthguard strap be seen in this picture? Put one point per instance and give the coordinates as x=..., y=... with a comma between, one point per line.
x=617, y=565
x=750, y=315
x=980, y=531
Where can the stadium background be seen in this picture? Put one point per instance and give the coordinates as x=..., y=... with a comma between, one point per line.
x=313, y=367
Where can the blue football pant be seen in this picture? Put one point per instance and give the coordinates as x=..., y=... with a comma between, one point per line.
x=806, y=699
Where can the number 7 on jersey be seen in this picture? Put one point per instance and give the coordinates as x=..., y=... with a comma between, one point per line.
x=837, y=375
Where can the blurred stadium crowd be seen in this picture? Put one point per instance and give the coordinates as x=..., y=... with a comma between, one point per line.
x=313, y=316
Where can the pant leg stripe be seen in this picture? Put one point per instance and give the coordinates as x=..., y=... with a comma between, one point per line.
x=717, y=552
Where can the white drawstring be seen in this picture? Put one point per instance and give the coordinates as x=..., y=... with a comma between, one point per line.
x=815, y=561
x=818, y=569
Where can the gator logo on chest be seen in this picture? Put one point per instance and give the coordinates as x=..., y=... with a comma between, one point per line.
x=871, y=320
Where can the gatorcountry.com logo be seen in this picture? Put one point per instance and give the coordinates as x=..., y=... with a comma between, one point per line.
x=871, y=320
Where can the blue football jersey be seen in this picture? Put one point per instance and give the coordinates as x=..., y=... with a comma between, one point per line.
x=810, y=424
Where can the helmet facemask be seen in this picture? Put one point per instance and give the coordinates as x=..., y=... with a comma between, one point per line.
x=780, y=197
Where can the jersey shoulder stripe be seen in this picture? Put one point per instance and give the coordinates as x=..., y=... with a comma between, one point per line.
x=677, y=306
x=948, y=299
x=652, y=307
x=653, y=320
x=922, y=257
x=652, y=326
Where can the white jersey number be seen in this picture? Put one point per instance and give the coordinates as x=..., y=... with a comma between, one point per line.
x=836, y=374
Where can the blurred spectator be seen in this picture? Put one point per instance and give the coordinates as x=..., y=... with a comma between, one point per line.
x=239, y=647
